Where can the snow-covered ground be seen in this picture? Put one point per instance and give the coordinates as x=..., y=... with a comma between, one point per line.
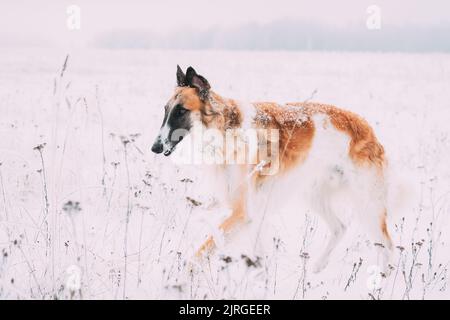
x=87, y=211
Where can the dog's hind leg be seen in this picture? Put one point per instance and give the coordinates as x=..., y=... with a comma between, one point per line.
x=371, y=206
x=323, y=206
x=375, y=220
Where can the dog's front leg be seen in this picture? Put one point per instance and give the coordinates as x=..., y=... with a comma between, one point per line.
x=238, y=199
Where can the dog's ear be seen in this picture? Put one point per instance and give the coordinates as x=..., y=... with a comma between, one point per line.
x=199, y=82
x=181, y=77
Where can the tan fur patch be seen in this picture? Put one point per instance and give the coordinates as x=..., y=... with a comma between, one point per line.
x=232, y=115
x=364, y=148
x=296, y=132
x=189, y=98
x=221, y=113
x=384, y=228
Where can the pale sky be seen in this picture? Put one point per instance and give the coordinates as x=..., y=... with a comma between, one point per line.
x=44, y=21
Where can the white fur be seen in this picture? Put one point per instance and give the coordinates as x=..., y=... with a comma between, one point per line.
x=164, y=136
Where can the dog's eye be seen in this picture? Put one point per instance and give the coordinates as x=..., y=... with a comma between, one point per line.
x=180, y=111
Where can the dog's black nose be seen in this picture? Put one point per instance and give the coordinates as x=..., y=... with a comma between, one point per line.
x=157, y=147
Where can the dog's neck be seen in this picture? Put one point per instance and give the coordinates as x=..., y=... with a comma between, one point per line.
x=223, y=113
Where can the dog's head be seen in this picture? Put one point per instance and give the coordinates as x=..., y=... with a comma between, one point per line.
x=184, y=107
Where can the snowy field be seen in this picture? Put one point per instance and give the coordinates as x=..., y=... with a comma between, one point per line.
x=88, y=212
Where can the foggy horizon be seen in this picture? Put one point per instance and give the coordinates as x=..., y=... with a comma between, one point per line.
x=406, y=26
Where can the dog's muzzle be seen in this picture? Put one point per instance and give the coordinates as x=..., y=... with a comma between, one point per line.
x=167, y=148
x=157, y=147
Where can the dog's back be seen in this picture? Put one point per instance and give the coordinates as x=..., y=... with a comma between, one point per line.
x=298, y=122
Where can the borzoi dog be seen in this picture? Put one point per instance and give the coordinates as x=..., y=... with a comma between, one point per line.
x=288, y=133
